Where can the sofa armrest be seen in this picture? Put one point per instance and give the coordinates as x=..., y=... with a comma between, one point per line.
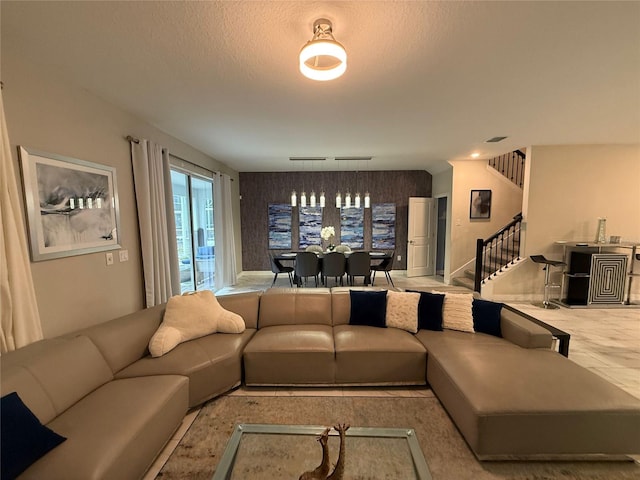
x=517, y=329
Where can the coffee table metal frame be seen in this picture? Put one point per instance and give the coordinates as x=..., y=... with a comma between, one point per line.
x=225, y=466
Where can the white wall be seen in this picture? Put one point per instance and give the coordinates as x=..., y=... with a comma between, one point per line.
x=55, y=116
x=569, y=187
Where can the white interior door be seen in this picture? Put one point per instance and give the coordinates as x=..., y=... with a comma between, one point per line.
x=421, y=237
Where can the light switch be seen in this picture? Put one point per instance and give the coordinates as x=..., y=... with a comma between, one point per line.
x=109, y=257
x=124, y=255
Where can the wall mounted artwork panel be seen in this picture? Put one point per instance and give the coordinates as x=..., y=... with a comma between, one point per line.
x=383, y=225
x=279, y=226
x=352, y=227
x=310, y=226
x=72, y=205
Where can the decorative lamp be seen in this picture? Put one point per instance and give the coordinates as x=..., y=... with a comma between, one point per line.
x=322, y=200
x=338, y=200
x=303, y=199
x=294, y=199
x=347, y=200
x=312, y=199
x=322, y=58
x=367, y=200
x=357, y=200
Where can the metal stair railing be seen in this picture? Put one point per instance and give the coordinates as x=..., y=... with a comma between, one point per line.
x=511, y=165
x=497, y=252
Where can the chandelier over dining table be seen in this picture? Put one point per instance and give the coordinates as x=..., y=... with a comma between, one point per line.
x=357, y=202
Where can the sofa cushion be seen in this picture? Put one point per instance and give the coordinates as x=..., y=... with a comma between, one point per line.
x=456, y=311
x=295, y=306
x=64, y=370
x=116, y=431
x=402, y=311
x=377, y=356
x=290, y=354
x=247, y=305
x=213, y=364
x=486, y=317
x=192, y=316
x=368, y=308
x=24, y=438
x=124, y=340
x=430, y=310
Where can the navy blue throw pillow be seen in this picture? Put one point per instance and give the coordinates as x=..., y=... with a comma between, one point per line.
x=24, y=438
x=430, y=310
x=368, y=308
x=486, y=317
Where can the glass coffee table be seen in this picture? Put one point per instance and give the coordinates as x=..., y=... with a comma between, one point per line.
x=258, y=451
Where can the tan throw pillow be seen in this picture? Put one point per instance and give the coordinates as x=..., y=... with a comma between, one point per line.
x=190, y=316
x=457, y=311
x=402, y=310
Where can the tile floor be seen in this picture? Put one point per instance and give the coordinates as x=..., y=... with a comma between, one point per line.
x=606, y=341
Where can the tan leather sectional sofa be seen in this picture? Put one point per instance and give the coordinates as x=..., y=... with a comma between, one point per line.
x=510, y=397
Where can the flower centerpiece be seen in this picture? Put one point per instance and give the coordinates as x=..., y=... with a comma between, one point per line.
x=327, y=233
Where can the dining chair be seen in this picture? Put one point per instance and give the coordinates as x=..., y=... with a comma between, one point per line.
x=342, y=248
x=277, y=267
x=384, y=266
x=333, y=265
x=307, y=265
x=314, y=249
x=359, y=265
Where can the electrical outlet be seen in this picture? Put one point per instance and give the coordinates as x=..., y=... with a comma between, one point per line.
x=124, y=255
x=109, y=257
x=399, y=257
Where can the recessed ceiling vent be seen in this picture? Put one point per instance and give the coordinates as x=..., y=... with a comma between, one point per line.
x=307, y=159
x=495, y=140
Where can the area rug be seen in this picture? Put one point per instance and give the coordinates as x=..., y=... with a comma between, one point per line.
x=447, y=454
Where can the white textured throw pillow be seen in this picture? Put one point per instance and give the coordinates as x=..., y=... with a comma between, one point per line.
x=457, y=311
x=402, y=310
x=190, y=316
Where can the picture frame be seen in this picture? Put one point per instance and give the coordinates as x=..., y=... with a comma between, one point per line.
x=480, y=204
x=72, y=205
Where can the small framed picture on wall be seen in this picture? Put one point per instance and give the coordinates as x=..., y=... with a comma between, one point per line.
x=480, y=205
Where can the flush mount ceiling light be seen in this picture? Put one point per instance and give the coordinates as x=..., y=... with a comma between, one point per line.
x=322, y=58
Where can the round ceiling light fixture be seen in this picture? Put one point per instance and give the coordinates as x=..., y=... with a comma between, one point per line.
x=322, y=58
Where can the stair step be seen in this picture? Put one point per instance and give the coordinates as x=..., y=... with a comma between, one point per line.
x=463, y=282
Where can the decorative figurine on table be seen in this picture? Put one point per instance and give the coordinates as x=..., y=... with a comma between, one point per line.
x=320, y=473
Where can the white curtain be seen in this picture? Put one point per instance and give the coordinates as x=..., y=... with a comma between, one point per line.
x=19, y=320
x=152, y=180
x=223, y=225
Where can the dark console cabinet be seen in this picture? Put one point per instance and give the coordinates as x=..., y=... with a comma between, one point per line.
x=578, y=278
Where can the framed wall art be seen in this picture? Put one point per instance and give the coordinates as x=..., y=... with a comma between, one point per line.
x=480, y=205
x=279, y=226
x=72, y=205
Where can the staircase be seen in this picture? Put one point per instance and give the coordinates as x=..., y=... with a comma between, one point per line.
x=502, y=249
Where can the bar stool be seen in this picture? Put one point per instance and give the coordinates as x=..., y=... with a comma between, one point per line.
x=547, y=285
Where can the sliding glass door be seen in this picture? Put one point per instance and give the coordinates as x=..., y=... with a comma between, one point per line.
x=193, y=208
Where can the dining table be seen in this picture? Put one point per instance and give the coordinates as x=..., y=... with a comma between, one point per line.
x=376, y=257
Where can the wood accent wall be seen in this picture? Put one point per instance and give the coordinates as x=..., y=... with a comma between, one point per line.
x=259, y=189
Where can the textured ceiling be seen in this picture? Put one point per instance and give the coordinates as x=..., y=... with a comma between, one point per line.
x=426, y=82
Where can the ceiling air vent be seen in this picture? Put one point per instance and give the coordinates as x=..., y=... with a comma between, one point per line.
x=495, y=140
x=307, y=159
